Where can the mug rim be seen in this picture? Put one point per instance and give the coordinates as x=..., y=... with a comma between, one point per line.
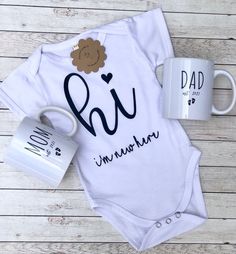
x=191, y=58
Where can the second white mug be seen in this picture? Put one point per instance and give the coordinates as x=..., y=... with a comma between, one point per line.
x=41, y=150
x=188, y=88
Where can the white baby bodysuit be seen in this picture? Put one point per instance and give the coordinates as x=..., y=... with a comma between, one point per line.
x=138, y=169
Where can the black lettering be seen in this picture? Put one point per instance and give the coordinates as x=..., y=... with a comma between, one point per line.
x=128, y=149
x=192, y=81
x=35, y=148
x=89, y=126
x=37, y=138
x=106, y=159
x=155, y=135
x=200, y=79
x=42, y=132
x=138, y=144
x=131, y=148
x=184, y=79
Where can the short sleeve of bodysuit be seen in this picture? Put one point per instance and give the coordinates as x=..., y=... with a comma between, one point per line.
x=152, y=36
x=21, y=91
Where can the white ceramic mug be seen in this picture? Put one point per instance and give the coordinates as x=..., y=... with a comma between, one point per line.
x=188, y=88
x=41, y=150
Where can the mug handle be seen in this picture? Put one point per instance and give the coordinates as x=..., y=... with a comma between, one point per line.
x=62, y=111
x=233, y=85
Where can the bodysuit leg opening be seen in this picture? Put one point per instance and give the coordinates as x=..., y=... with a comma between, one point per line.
x=130, y=231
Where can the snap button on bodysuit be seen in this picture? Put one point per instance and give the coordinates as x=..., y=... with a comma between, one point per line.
x=168, y=221
x=177, y=214
x=158, y=224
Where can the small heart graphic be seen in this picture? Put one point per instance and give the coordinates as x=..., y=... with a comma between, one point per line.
x=107, y=78
x=189, y=102
x=58, y=154
x=193, y=100
x=58, y=149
